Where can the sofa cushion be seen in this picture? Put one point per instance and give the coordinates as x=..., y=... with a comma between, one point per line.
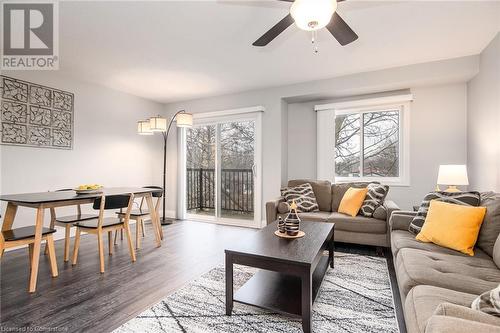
x=303, y=196
x=322, y=190
x=401, y=239
x=458, y=198
x=464, y=312
x=358, y=223
x=490, y=229
x=467, y=274
x=422, y=301
x=338, y=191
x=445, y=324
x=318, y=216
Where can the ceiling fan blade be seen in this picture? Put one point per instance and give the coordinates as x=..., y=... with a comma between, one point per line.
x=340, y=30
x=274, y=31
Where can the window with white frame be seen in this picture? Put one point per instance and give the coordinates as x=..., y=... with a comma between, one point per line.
x=369, y=142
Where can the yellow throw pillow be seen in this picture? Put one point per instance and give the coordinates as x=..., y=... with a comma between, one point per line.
x=452, y=226
x=352, y=201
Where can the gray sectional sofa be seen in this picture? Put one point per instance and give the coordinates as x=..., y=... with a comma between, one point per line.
x=359, y=230
x=437, y=285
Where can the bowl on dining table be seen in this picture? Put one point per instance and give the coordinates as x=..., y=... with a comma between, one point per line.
x=88, y=189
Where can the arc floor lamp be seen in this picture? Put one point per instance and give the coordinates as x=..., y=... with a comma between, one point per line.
x=159, y=125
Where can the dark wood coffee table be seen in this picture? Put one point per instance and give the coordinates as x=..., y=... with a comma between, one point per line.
x=291, y=270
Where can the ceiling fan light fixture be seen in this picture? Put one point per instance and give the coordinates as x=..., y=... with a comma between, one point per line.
x=312, y=15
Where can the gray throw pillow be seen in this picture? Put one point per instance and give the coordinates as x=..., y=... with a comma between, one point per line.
x=374, y=198
x=303, y=196
x=380, y=213
x=283, y=207
x=459, y=198
x=490, y=229
x=488, y=302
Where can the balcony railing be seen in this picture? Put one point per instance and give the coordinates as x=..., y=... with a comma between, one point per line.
x=236, y=189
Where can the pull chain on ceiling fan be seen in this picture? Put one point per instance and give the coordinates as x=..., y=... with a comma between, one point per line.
x=312, y=15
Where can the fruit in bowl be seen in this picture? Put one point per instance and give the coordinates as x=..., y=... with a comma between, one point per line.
x=88, y=189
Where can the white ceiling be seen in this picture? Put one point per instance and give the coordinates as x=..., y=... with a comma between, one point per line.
x=171, y=51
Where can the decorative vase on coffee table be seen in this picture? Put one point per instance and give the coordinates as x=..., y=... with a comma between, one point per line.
x=292, y=221
x=281, y=225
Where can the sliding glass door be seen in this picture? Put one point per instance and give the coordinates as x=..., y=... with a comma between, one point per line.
x=200, y=170
x=237, y=163
x=222, y=167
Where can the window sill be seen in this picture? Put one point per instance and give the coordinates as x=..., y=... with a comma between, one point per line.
x=390, y=182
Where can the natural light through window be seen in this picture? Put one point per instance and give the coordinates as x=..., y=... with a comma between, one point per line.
x=367, y=144
x=365, y=140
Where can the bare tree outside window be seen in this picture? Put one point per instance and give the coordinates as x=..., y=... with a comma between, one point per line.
x=381, y=144
x=236, y=146
x=379, y=151
x=347, y=145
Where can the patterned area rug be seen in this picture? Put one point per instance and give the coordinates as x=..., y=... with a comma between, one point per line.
x=355, y=296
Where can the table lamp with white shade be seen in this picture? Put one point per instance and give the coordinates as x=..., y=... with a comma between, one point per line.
x=452, y=175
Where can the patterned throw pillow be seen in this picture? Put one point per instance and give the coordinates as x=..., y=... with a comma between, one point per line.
x=374, y=198
x=304, y=197
x=459, y=198
x=488, y=302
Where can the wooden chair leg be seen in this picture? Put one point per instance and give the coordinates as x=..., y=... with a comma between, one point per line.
x=142, y=228
x=110, y=242
x=161, y=231
x=121, y=234
x=77, y=245
x=52, y=226
x=129, y=239
x=67, y=238
x=52, y=256
x=30, y=252
x=101, y=251
x=138, y=233
x=116, y=234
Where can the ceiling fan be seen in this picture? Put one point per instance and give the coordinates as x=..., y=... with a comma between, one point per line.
x=312, y=15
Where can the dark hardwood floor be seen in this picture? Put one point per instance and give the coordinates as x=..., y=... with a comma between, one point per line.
x=81, y=299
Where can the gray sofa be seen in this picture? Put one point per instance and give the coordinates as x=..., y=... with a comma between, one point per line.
x=358, y=230
x=437, y=285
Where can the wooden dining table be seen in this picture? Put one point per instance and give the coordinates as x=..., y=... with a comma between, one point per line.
x=43, y=200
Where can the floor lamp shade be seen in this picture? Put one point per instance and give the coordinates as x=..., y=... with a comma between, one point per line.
x=158, y=124
x=144, y=128
x=184, y=119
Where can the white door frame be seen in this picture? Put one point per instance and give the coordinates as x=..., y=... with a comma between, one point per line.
x=213, y=118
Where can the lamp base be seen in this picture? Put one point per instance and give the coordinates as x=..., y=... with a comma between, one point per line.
x=165, y=221
x=452, y=189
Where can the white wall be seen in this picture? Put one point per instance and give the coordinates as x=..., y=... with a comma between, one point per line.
x=421, y=78
x=301, y=140
x=106, y=150
x=437, y=136
x=483, y=119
